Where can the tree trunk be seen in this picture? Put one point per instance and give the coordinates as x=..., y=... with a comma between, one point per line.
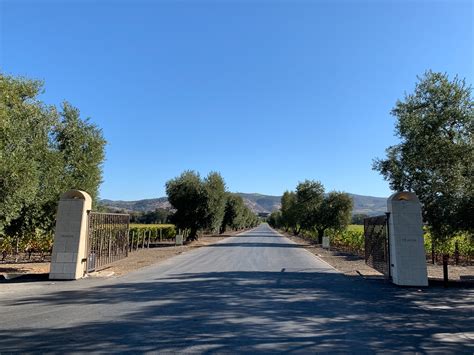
x=433, y=254
x=320, y=236
x=445, y=269
x=193, y=234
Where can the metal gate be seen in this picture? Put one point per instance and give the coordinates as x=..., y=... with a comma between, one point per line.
x=107, y=238
x=377, y=252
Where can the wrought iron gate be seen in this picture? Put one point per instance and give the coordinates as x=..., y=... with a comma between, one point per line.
x=107, y=239
x=377, y=252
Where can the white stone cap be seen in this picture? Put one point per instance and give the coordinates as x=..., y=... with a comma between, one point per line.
x=404, y=196
x=76, y=195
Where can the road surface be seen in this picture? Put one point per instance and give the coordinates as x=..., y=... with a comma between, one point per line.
x=257, y=292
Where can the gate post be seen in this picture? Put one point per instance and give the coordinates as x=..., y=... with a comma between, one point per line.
x=69, y=257
x=407, y=250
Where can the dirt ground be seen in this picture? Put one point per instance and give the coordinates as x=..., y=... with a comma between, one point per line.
x=355, y=265
x=135, y=260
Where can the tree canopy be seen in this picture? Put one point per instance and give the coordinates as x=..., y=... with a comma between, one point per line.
x=44, y=152
x=204, y=204
x=310, y=209
x=435, y=155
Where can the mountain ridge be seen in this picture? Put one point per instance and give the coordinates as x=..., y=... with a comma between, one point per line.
x=257, y=202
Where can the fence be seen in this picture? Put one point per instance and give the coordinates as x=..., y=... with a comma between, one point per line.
x=107, y=238
x=377, y=244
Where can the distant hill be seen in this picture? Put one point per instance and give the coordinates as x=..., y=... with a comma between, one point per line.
x=256, y=202
x=137, y=206
x=261, y=203
x=369, y=205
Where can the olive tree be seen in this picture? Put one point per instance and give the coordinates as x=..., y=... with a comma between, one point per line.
x=186, y=195
x=39, y=158
x=309, y=197
x=215, y=199
x=334, y=212
x=435, y=156
x=289, y=216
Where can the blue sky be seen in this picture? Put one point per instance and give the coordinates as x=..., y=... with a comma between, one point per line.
x=268, y=93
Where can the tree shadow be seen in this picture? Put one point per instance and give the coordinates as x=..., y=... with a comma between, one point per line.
x=287, y=311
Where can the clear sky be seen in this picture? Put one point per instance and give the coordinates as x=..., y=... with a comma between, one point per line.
x=268, y=93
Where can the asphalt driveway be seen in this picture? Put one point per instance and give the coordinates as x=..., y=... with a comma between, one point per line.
x=257, y=292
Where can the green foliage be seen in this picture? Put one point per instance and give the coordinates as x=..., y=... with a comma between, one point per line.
x=215, y=199
x=334, y=212
x=39, y=243
x=275, y=219
x=358, y=218
x=435, y=158
x=236, y=214
x=158, y=216
x=141, y=235
x=24, y=140
x=309, y=197
x=355, y=227
x=156, y=232
x=351, y=240
x=288, y=216
x=464, y=241
x=311, y=210
x=186, y=194
x=43, y=153
x=205, y=204
x=82, y=146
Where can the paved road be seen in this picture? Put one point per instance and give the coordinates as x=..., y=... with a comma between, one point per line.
x=257, y=292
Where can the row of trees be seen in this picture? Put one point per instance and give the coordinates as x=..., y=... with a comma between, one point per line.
x=205, y=204
x=44, y=151
x=309, y=208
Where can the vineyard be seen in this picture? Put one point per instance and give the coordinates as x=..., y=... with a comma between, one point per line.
x=460, y=248
x=146, y=235
x=38, y=247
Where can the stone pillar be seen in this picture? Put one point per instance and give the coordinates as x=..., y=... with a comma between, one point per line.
x=407, y=251
x=70, y=237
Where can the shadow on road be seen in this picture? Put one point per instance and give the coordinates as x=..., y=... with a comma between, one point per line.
x=289, y=311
